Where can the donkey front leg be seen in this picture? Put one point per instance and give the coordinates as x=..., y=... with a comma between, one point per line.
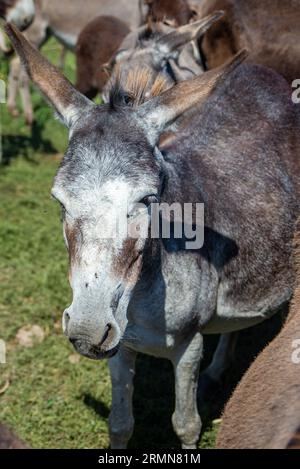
x=186, y=420
x=121, y=421
x=13, y=86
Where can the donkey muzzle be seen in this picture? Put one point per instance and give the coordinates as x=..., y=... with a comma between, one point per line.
x=93, y=352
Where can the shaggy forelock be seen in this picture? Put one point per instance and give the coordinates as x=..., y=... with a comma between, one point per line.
x=136, y=88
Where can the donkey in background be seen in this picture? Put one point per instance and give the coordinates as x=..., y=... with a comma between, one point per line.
x=19, y=12
x=155, y=48
x=65, y=20
x=264, y=411
x=173, y=12
x=269, y=30
x=139, y=294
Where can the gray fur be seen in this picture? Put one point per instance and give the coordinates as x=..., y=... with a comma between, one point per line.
x=235, y=166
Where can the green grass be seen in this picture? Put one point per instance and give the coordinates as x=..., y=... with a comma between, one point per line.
x=51, y=402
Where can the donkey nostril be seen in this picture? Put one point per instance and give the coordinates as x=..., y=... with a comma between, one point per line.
x=107, y=329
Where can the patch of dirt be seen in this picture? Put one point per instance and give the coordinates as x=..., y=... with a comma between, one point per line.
x=30, y=335
x=74, y=358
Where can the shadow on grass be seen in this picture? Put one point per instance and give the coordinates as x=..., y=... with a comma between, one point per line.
x=99, y=407
x=21, y=145
x=153, y=404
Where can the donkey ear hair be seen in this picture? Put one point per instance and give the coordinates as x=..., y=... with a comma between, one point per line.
x=161, y=111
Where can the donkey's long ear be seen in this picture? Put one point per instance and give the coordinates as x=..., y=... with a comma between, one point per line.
x=162, y=110
x=174, y=40
x=67, y=101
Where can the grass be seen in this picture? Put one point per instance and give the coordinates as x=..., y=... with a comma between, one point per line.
x=52, y=401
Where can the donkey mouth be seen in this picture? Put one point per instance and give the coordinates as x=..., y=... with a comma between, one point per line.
x=91, y=351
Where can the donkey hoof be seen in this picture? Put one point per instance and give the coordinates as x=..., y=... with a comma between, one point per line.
x=188, y=446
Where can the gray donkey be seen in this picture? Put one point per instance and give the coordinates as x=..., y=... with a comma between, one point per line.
x=236, y=151
x=160, y=50
x=105, y=47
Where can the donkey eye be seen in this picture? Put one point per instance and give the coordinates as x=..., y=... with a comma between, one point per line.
x=136, y=212
x=142, y=206
x=149, y=199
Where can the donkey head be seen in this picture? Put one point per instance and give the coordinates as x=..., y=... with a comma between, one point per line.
x=112, y=162
x=177, y=12
x=19, y=12
x=159, y=49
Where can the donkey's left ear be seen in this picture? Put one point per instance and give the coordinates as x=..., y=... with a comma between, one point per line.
x=67, y=101
x=159, y=112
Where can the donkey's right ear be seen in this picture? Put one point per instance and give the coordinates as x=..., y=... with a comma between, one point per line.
x=67, y=101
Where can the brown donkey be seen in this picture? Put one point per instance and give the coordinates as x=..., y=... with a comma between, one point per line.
x=268, y=29
x=264, y=411
x=173, y=12
x=97, y=43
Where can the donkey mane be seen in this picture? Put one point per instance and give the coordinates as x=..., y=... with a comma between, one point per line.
x=133, y=90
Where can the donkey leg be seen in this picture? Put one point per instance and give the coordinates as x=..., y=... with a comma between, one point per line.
x=26, y=97
x=211, y=378
x=13, y=86
x=121, y=421
x=186, y=420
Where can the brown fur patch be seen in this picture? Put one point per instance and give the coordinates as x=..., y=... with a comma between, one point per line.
x=137, y=86
x=96, y=45
x=127, y=263
x=269, y=30
x=177, y=12
x=73, y=235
